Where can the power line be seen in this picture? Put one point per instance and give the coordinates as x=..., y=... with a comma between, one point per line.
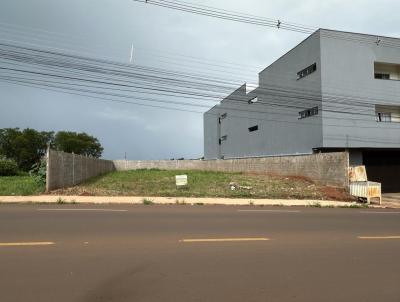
x=228, y=15
x=266, y=22
x=196, y=84
x=94, y=69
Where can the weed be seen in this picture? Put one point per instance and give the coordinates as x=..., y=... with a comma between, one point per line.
x=355, y=206
x=315, y=204
x=199, y=204
x=180, y=202
x=61, y=201
x=251, y=203
x=147, y=202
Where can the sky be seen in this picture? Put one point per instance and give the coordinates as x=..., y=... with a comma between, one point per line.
x=167, y=39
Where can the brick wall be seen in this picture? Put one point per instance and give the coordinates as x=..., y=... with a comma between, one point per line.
x=65, y=169
x=323, y=168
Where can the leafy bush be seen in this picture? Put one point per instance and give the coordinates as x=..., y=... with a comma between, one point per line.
x=38, y=172
x=8, y=167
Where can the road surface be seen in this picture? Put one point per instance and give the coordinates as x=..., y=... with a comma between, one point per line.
x=188, y=253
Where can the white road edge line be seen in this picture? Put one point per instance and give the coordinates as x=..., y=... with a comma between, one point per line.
x=99, y=210
x=272, y=211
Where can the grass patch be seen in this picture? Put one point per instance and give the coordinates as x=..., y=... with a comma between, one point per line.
x=147, y=202
x=211, y=184
x=315, y=205
x=20, y=185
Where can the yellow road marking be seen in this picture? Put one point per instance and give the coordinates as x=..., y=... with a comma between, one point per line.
x=223, y=239
x=378, y=237
x=270, y=211
x=25, y=243
x=379, y=212
x=98, y=210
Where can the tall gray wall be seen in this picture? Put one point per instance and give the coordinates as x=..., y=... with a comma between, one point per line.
x=66, y=169
x=323, y=168
x=281, y=96
x=350, y=91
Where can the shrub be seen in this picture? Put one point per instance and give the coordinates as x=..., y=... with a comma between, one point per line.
x=38, y=172
x=8, y=167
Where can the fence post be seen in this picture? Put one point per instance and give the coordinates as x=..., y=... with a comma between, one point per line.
x=48, y=169
x=73, y=168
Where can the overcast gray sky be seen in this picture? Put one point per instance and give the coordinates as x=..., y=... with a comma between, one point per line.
x=162, y=38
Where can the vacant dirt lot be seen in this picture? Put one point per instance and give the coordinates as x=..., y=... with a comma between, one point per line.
x=202, y=184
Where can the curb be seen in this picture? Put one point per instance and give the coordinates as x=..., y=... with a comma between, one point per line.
x=174, y=200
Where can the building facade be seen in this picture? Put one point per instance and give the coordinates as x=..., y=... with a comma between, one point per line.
x=334, y=91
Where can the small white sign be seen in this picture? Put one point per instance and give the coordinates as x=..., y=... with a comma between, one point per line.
x=181, y=180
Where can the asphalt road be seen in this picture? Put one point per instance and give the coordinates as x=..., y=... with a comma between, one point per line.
x=152, y=253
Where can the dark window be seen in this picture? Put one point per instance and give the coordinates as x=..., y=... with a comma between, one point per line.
x=222, y=138
x=306, y=71
x=308, y=112
x=382, y=76
x=221, y=117
x=254, y=128
x=253, y=100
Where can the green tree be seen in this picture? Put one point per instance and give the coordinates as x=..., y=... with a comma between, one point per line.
x=78, y=143
x=26, y=147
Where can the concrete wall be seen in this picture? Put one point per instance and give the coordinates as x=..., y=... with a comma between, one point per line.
x=281, y=96
x=323, y=168
x=65, y=169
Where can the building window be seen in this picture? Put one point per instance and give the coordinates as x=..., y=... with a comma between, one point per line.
x=221, y=117
x=387, y=113
x=254, y=128
x=223, y=138
x=253, y=100
x=384, y=117
x=307, y=71
x=386, y=71
x=308, y=112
